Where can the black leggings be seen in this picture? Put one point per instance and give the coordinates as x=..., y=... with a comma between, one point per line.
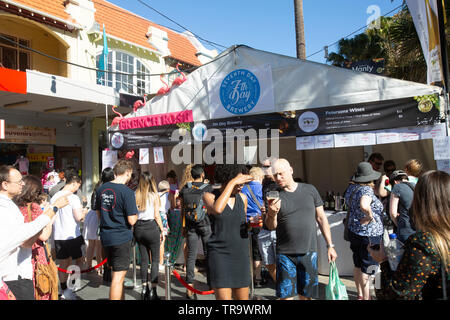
x=147, y=235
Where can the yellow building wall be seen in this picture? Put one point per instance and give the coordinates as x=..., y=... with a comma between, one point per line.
x=41, y=39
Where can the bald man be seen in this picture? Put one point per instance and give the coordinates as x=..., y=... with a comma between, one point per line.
x=294, y=215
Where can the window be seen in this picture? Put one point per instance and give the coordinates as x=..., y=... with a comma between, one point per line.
x=12, y=56
x=123, y=62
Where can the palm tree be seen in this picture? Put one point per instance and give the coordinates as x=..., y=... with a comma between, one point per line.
x=405, y=56
x=396, y=41
x=300, y=29
x=361, y=47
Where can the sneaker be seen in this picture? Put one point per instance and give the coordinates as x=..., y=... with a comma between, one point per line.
x=68, y=295
x=192, y=296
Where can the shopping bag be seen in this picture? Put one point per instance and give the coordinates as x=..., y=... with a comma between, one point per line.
x=335, y=290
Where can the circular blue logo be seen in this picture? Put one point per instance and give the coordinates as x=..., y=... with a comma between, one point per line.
x=199, y=132
x=240, y=91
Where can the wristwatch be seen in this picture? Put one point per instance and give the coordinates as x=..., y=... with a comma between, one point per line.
x=330, y=246
x=55, y=209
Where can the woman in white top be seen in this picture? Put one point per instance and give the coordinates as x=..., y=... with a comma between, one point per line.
x=148, y=232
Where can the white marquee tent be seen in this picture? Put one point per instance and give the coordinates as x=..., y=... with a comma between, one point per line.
x=288, y=84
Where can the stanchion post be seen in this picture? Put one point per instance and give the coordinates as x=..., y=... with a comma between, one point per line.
x=129, y=284
x=168, y=270
x=251, y=264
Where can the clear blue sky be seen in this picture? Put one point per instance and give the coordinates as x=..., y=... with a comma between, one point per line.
x=263, y=24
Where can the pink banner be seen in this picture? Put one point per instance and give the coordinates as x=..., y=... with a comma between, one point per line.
x=156, y=120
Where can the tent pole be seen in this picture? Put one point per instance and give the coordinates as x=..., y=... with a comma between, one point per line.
x=106, y=116
x=447, y=114
x=304, y=165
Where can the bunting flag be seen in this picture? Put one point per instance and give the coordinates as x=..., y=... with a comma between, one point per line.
x=103, y=62
x=425, y=15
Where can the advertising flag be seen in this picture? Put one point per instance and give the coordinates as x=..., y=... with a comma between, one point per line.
x=103, y=62
x=426, y=20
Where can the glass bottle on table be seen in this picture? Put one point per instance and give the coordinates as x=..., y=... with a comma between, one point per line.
x=327, y=201
x=332, y=201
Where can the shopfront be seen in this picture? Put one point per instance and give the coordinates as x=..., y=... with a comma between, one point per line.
x=30, y=148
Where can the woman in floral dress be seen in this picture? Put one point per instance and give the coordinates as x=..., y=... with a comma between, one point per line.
x=29, y=203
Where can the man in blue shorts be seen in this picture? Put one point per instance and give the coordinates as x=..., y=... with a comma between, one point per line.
x=294, y=215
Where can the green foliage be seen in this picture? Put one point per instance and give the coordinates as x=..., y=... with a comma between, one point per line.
x=396, y=41
x=184, y=125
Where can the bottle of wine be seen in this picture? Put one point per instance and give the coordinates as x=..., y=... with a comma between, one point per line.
x=332, y=201
x=327, y=202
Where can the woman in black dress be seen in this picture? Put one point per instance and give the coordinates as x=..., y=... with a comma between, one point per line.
x=228, y=246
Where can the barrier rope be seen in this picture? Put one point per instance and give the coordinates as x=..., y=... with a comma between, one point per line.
x=87, y=270
x=187, y=286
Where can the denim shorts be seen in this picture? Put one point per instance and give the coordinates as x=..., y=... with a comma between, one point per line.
x=361, y=257
x=297, y=274
x=267, y=242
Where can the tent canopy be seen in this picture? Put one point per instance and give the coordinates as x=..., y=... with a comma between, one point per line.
x=287, y=84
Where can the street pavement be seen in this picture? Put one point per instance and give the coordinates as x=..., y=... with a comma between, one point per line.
x=94, y=288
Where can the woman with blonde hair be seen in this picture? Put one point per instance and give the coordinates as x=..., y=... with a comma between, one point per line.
x=148, y=232
x=423, y=270
x=187, y=176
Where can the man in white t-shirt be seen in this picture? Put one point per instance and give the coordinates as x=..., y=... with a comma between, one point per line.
x=66, y=232
x=17, y=237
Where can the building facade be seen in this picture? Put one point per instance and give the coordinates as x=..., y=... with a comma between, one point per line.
x=55, y=105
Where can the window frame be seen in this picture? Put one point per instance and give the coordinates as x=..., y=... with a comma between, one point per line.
x=137, y=89
x=18, y=50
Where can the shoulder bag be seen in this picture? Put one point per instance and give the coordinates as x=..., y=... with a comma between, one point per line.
x=45, y=275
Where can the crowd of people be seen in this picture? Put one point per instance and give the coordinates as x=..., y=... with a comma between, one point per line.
x=247, y=219
x=412, y=204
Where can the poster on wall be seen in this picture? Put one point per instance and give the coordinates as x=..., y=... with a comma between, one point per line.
x=144, y=156
x=441, y=146
x=443, y=165
x=241, y=92
x=109, y=159
x=324, y=141
x=158, y=155
x=304, y=143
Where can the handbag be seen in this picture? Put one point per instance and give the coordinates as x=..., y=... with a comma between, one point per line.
x=335, y=290
x=346, y=231
x=5, y=292
x=45, y=275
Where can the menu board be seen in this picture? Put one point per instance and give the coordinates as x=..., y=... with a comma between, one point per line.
x=365, y=117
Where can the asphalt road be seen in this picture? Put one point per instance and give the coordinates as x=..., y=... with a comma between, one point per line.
x=94, y=288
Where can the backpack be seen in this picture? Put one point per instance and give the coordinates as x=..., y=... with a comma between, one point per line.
x=193, y=206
